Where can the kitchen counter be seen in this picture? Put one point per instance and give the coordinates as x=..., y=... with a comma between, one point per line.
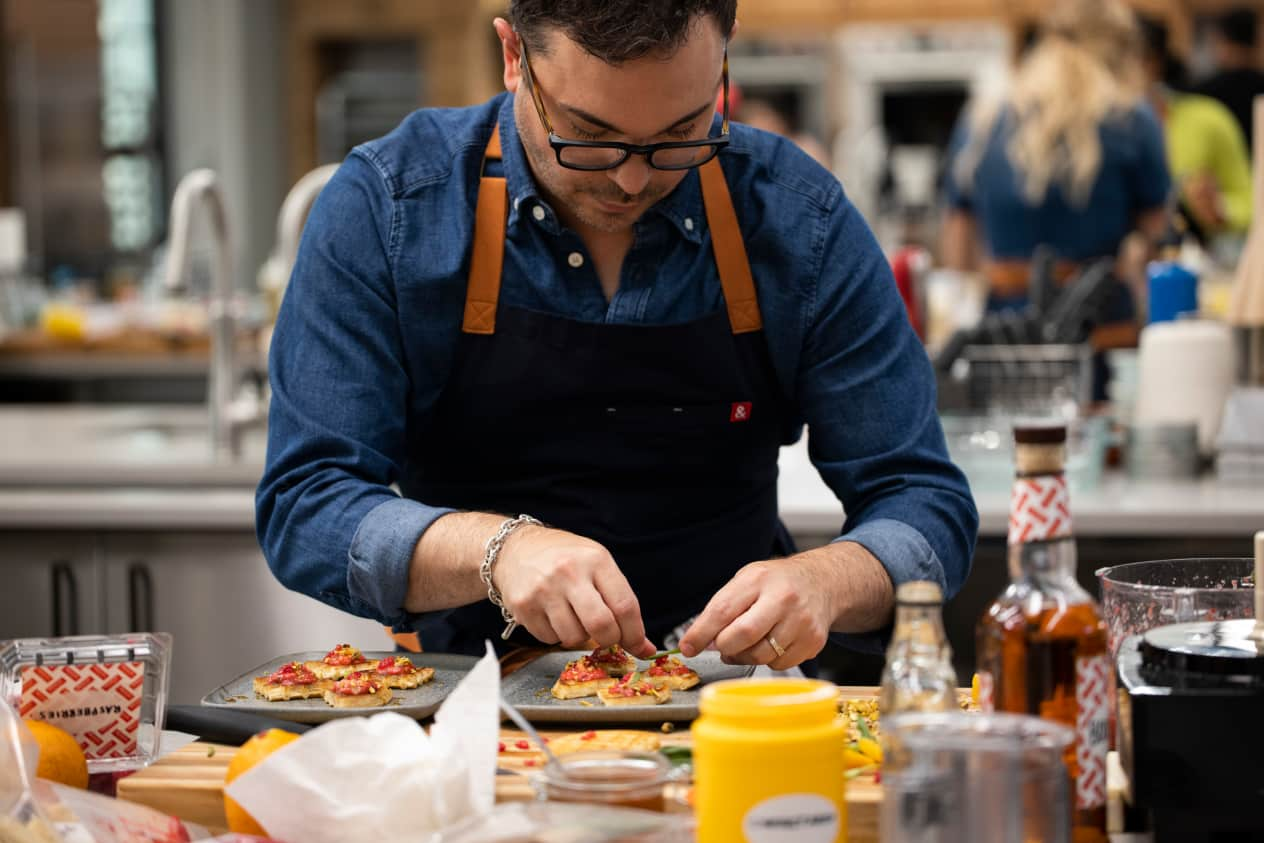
x=1119, y=507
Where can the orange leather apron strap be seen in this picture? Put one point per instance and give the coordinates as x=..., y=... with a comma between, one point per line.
x=410, y=641
x=730, y=251
x=1012, y=278
x=483, y=291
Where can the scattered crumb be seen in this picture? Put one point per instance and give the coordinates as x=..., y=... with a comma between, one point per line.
x=668, y=728
x=585, y=703
x=210, y=752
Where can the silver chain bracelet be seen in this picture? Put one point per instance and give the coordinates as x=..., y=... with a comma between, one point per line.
x=490, y=554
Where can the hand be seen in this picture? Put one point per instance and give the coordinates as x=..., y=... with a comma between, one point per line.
x=787, y=599
x=1202, y=198
x=566, y=588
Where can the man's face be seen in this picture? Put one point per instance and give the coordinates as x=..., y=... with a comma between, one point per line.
x=650, y=100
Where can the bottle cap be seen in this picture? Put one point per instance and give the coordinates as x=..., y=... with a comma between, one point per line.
x=1040, y=434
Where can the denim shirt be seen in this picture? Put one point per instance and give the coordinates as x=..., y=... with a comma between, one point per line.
x=368, y=329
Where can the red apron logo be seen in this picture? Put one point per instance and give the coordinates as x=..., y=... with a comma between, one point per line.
x=740, y=411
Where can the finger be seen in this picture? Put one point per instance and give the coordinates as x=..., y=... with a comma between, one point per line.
x=749, y=628
x=728, y=604
x=537, y=623
x=569, y=630
x=621, y=600
x=764, y=653
x=595, y=617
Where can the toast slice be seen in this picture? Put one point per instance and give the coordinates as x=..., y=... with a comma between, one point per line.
x=359, y=690
x=399, y=672
x=671, y=672
x=341, y=662
x=581, y=678
x=634, y=689
x=614, y=660
x=290, y=682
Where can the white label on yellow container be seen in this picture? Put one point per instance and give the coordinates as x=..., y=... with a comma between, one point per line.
x=796, y=818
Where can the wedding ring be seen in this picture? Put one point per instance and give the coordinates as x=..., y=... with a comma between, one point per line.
x=780, y=651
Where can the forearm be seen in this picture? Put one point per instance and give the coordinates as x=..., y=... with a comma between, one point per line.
x=859, y=586
x=444, y=570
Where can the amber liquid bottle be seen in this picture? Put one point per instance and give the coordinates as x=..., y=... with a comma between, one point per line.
x=1042, y=643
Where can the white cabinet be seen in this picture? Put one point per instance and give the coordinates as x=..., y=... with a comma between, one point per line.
x=50, y=584
x=216, y=596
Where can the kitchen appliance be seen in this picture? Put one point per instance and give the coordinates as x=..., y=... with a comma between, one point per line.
x=986, y=778
x=1240, y=448
x=1162, y=451
x=1140, y=596
x=1190, y=731
x=1186, y=375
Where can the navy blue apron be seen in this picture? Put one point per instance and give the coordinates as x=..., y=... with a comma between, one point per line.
x=659, y=442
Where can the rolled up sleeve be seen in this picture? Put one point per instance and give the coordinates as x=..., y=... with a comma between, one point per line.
x=867, y=392
x=328, y=521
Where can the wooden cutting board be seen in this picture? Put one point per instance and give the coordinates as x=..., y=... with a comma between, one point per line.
x=189, y=783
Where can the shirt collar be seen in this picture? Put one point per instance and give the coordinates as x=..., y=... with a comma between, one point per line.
x=682, y=207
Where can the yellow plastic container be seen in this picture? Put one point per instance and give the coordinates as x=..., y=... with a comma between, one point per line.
x=768, y=762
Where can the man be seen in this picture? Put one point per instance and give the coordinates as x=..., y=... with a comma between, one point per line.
x=1238, y=80
x=594, y=302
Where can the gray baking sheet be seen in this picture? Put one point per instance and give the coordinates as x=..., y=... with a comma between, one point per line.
x=527, y=689
x=239, y=694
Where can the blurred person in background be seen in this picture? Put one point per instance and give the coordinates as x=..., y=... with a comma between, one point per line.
x=762, y=114
x=1238, y=79
x=1069, y=157
x=1206, y=149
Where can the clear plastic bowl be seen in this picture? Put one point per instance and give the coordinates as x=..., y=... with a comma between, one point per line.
x=1140, y=596
x=982, y=446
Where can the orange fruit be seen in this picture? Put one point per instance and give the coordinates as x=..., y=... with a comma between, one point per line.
x=61, y=758
x=251, y=753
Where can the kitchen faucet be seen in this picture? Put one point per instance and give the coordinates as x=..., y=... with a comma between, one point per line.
x=274, y=275
x=224, y=418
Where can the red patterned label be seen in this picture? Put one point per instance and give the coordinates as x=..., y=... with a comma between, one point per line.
x=740, y=411
x=1039, y=509
x=1092, y=739
x=97, y=703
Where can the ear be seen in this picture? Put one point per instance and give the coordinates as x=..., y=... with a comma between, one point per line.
x=511, y=52
x=733, y=32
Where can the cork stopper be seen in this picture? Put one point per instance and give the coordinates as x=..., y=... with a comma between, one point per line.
x=919, y=592
x=1040, y=449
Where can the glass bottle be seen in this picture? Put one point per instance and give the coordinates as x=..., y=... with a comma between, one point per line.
x=918, y=675
x=1042, y=643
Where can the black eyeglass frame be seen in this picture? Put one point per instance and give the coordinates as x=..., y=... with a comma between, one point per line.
x=560, y=144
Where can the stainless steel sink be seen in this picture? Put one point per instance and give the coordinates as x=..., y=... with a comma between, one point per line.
x=95, y=446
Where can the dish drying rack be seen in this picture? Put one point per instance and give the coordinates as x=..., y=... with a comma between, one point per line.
x=1019, y=381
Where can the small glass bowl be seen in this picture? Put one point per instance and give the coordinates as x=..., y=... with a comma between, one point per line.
x=614, y=777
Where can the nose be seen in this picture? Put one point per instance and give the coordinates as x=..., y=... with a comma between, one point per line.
x=632, y=175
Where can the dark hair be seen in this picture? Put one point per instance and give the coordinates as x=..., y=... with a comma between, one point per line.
x=1239, y=26
x=1154, y=34
x=616, y=31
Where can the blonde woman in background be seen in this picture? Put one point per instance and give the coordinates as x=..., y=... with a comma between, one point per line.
x=1070, y=157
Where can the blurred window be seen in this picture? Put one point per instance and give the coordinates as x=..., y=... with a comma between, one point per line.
x=82, y=132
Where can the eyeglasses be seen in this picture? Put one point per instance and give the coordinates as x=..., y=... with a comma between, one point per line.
x=592, y=156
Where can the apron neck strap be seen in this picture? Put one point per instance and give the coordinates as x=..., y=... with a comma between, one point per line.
x=483, y=291
x=730, y=251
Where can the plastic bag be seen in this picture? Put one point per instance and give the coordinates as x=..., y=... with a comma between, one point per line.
x=36, y=811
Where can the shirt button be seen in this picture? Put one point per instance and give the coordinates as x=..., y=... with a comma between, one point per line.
x=538, y=213
x=575, y=259
x=688, y=223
